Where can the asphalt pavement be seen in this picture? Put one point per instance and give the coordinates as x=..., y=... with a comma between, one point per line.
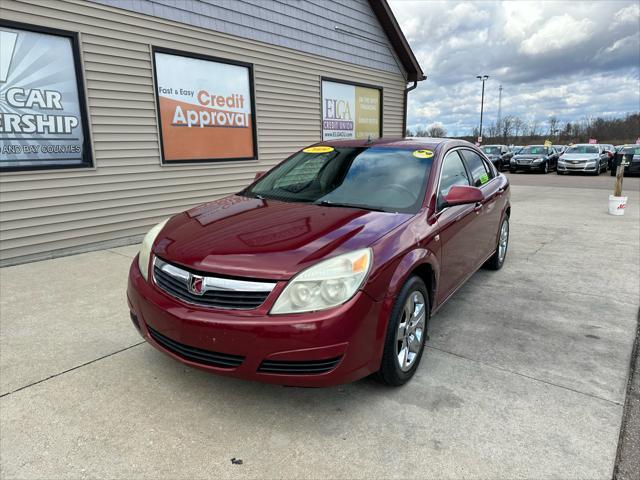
x=524, y=375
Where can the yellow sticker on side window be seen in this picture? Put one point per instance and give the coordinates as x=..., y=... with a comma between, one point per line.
x=484, y=178
x=318, y=149
x=423, y=153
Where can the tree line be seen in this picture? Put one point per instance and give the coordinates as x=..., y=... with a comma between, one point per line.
x=512, y=129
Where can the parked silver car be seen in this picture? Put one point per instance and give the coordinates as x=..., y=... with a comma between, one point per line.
x=583, y=157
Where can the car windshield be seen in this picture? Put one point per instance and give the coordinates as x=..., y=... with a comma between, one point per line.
x=491, y=150
x=631, y=150
x=533, y=150
x=582, y=149
x=372, y=178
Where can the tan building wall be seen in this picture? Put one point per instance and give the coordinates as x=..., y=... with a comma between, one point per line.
x=50, y=213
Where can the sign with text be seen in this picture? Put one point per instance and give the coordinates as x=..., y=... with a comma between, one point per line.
x=205, y=107
x=41, y=115
x=350, y=111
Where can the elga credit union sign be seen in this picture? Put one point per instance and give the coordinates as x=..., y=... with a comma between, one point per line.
x=41, y=114
x=350, y=111
x=206, y=108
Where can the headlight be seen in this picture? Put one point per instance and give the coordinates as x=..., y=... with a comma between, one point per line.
x=538, y=160
x=591, y=163
x=145, y=248
x=328, y=284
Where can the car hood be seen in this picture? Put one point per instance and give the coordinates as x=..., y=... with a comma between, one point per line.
x=579, y=156
x=267, y=239
x=492, y=156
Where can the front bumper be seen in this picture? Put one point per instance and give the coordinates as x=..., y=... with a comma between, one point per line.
x=576, y=167
x=339, y=345
x=533, y=167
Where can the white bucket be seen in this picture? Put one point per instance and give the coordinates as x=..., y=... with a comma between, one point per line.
x=617, y=205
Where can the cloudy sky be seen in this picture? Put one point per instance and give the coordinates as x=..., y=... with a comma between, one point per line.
x=569, y=59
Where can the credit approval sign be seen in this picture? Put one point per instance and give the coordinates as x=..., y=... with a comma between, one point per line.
x=350, y=111
x=205, y=107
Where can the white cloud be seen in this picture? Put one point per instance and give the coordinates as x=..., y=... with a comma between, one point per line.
x=629, y=14
x=557, y=33
x=552, y=58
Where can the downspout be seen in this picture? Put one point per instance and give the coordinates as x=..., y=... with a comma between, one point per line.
x=406, y=95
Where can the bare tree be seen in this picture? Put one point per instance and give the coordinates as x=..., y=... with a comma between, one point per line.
x=532, y=128
x=518, y=126
x=436, y=131
x=507, y=127
x=421, y=132
x=554, y=123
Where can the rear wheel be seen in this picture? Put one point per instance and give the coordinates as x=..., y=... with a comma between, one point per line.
x=497, y=259
x=406, y=333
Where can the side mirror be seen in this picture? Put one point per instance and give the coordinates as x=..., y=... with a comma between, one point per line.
x=258, y=175
x=463, y=195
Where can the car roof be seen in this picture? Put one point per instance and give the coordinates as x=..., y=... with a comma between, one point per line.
x=416, y=143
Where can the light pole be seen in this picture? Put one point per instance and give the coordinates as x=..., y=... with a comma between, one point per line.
x=484, y=79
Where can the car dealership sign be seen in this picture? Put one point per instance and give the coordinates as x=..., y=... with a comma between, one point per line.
x=41, y=120
x=206, y=108
x=350, y=111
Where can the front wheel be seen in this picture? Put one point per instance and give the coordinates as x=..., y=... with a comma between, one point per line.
x=546, y=168
x=406, y=333
x=497, y=259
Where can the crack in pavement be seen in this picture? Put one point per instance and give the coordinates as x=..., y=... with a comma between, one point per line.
x=496, y=367
x=72, y=369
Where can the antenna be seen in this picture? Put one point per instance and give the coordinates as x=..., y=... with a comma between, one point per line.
x=499, y=105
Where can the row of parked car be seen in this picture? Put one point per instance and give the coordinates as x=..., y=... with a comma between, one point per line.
x=583, y=157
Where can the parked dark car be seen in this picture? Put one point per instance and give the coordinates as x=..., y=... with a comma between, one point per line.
x=629, y=155
x=536, y=158
x=327, y=268
x=583, y=157
x=611, y=151
x=500, y=155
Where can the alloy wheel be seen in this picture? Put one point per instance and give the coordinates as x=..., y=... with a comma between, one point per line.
x=410, y=334
x=504, y=241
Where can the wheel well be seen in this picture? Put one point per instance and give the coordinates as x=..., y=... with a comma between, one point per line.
x=426, y=274
x=508, y=212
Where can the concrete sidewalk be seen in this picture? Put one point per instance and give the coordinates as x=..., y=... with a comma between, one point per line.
x=524, y=375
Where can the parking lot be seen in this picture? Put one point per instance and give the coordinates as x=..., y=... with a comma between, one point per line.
x=524, y=375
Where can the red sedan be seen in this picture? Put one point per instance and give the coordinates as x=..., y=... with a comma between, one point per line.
x=327, y=268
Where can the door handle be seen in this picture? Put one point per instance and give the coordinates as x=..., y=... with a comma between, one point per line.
x=500, y=191
x=477, y=207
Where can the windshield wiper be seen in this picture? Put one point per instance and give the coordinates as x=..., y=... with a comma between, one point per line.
x=329, y=203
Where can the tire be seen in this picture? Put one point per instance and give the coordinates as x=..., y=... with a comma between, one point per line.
x=497, y=259
x=511, y=170
x=546, y=168
x=413, y=292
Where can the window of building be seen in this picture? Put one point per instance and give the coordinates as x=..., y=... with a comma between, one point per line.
x=350, y=110
x=205, y=108
x=43, y=120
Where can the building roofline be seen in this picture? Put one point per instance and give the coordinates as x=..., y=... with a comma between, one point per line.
x=393, y=31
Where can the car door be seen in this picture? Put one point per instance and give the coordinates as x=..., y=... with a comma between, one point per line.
x=484, y=176
x=459, y=228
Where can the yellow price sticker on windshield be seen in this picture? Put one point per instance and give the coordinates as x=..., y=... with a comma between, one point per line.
x=318, y=149
x=423, y=154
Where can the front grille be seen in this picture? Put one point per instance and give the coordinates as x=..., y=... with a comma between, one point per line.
x=292, y=367
x=197, y=355
x=216, y=292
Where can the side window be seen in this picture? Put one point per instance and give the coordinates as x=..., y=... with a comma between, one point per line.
x=480, y=174
x=453, y=173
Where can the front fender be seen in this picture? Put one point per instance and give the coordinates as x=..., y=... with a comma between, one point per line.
x=414, y=260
